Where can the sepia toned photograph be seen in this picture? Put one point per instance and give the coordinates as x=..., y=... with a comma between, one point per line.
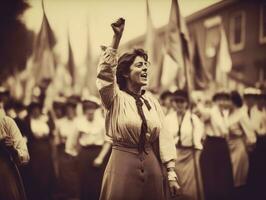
x=133, y=100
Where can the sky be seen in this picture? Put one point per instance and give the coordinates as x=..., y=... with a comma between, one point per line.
x=88, y=21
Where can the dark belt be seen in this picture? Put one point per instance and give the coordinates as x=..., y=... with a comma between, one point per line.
x=91, y=146
x=184, y=147
x=130, y=148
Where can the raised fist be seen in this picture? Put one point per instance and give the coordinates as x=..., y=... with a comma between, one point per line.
x=118, y=26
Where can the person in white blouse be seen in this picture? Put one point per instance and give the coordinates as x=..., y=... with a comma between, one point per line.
x=67, y=129
x=93, y=148
x=257, y=119
x=241, y=137
x=134, y=122
x=13, y=152
x=187, y=130
x=38, y=133
x=216, y=168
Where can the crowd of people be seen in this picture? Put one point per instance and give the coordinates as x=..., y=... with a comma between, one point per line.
x=132, y=145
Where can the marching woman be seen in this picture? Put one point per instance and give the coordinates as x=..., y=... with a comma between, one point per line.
x=67, y=155
x=240, y=135
x=93, y=149
x=40, y=169
x=187, y=130
x=256, y=116
x=216, y=168
x=13, y=151
x=134, y=121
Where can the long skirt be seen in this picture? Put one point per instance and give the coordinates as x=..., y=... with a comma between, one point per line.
x=11, y=186
x=239, y=160
x=216, y=169
x=68, y=174
x=132, y=176
x=188, y=170
x=257, y=172
x=90, y=176
x=41, y=169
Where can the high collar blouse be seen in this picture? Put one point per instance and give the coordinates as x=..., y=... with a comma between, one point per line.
x=122, y=119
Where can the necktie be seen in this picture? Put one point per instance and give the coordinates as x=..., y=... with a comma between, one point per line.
x=144, y=126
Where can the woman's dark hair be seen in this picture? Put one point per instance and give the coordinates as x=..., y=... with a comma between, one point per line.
x=124, y=63
x=166, y=94
x=236, y=99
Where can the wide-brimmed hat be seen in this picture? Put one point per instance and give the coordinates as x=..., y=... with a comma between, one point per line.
x=59, y=101
x=222, y=94
x=180, y=94
x=166, y=94
x=34, y=104
x=251, y=92
x=72, y=101
x=90, y=102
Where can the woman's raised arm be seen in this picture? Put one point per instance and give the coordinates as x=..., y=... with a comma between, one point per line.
x=106, y=72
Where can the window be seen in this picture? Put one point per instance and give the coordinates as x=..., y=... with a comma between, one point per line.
x=237, y=31
x=263, y=24
x=212, y=26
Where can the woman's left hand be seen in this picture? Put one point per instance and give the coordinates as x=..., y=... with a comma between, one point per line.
x=97, y=162
x=175, y=188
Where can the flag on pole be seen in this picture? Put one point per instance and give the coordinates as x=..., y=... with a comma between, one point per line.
x=223, y=60
x=177, y=51
x=154, y=51
x=71, y=63
x=90, y=75
x=43, y=58
x=41, y=65
x=200, y=74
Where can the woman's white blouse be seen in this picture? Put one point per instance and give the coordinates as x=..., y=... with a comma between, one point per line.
x=122, y=119
x=8, y=127
x=190, y=133
x=39, y=126
x=91, y=132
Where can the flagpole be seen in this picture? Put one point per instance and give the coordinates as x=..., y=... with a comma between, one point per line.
x=188, y=87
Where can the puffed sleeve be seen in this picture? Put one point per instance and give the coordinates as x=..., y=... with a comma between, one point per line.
x=19, y=142
x=166, y=140
x=106, y=76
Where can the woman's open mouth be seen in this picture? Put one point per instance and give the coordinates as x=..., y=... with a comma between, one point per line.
x=144, y=75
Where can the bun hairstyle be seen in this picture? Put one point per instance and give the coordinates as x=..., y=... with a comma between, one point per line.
x=124, y=63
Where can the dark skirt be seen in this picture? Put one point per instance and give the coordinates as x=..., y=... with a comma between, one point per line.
x=130, y=175
x=90, y=176
x=257, y=172
x=11, y=186
x=68, y=176
x=216, y=169
x=41, y=169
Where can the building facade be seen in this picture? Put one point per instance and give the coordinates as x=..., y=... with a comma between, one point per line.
x=244, y=23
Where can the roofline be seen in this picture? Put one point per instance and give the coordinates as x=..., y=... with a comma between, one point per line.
x=210, y=9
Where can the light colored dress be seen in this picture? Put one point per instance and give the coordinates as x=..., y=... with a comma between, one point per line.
x=129, y=175
x=240, y=130
x=188, y=152
x=91, y=139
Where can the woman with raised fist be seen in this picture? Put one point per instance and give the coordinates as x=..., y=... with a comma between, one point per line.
x=134, y=123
